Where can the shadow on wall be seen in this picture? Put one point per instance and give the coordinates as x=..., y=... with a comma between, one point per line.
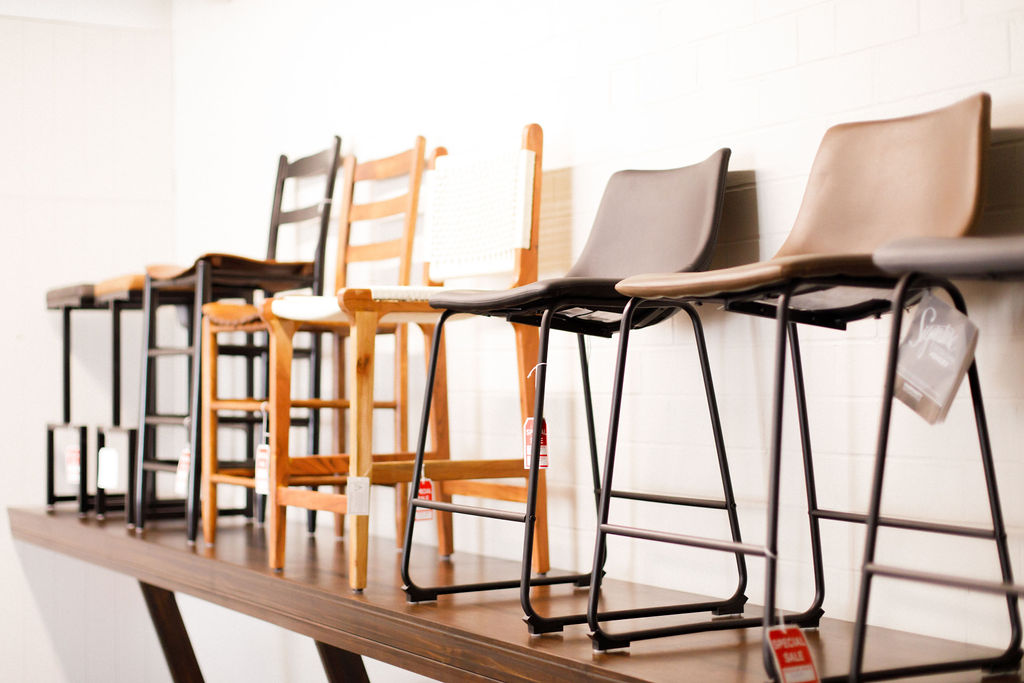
x=554, y=255
x=1003, y=212
x=738, y=232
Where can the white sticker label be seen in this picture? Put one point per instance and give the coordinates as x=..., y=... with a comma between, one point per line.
x=107, y=461
x=72, y=465
x=181, y=474
x=262, y=475
x=528, y=443
x=933, y=358
x=358, y=494
x=426, y=492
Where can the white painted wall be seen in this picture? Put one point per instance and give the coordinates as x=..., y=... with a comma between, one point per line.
x=647, y=84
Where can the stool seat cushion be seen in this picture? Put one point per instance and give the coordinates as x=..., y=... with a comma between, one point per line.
x=536, y=295
x=967, y=257
x=69, y=296
x=746, y=278
x=273, y=276
x=121, y=285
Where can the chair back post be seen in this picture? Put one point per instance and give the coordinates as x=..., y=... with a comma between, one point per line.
x=324, y=164
x=409, y=163
x=275, y=211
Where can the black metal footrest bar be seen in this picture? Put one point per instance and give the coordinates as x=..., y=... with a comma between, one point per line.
x=160, y=465
x=169, y=351
x=609, y=642
x=683, y=539
x=983, y=585
x=671, y=500
x=725, y=607
x=166, y=419
x=423, y=594
x=471, y=510
x=919, y=670
x=910, y=524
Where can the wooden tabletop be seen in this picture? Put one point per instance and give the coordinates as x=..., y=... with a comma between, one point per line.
x=470, y=637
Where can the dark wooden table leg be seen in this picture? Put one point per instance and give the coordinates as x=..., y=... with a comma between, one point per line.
x=341, y=666
x=170, y=629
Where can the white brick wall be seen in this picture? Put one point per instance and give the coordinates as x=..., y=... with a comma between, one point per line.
x=615, y=85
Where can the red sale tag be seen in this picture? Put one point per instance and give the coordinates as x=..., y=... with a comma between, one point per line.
x=262, y=475
x=72, y=464
x=426, y=492
x=528, y=443
x=792, y=655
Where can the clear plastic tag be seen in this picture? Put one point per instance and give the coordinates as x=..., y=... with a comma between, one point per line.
x=426, y=492
x=358, y=495
x=181, y=473
x=107, y=465
x=72, y=464
x=262, y=474
x=934, y=357
x=792, y=655
x=528, y=443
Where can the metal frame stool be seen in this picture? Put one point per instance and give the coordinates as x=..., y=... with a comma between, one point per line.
x=871, y=181
x=647, y=220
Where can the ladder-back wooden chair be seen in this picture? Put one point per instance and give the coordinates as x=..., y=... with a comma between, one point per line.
x=374, y=178
x=225, y=276
x=505, y=187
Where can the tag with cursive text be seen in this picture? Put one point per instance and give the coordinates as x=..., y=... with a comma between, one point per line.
x=934, y=356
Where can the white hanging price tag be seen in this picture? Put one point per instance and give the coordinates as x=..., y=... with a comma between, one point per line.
x=528, y=443
x=792, y=655
x=107, y=475
x=262, y=475
x=426, y=492
x=358, y=495
x=181, y=474
x=934, y=357
x=72, y=464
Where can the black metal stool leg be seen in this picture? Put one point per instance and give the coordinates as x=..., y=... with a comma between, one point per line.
x=535, y=622
x=414, y=592
x=604, y=503
x=588, y=404
x=203, y=293
x=734, y=605
x=774, y=473
x=811, y=617
x=147, y=403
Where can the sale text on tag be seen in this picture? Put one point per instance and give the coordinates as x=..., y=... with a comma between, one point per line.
x=73, y=464
x=528, y=443
x=262, y=475
x=792, y=655
x=426, y=492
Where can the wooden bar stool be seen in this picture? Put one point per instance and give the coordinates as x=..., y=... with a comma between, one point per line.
x=503, y=188
x=369, y=177
x=871, y=182
x=224, y=276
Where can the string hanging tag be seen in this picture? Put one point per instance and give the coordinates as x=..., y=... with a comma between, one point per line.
x=261, y=476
